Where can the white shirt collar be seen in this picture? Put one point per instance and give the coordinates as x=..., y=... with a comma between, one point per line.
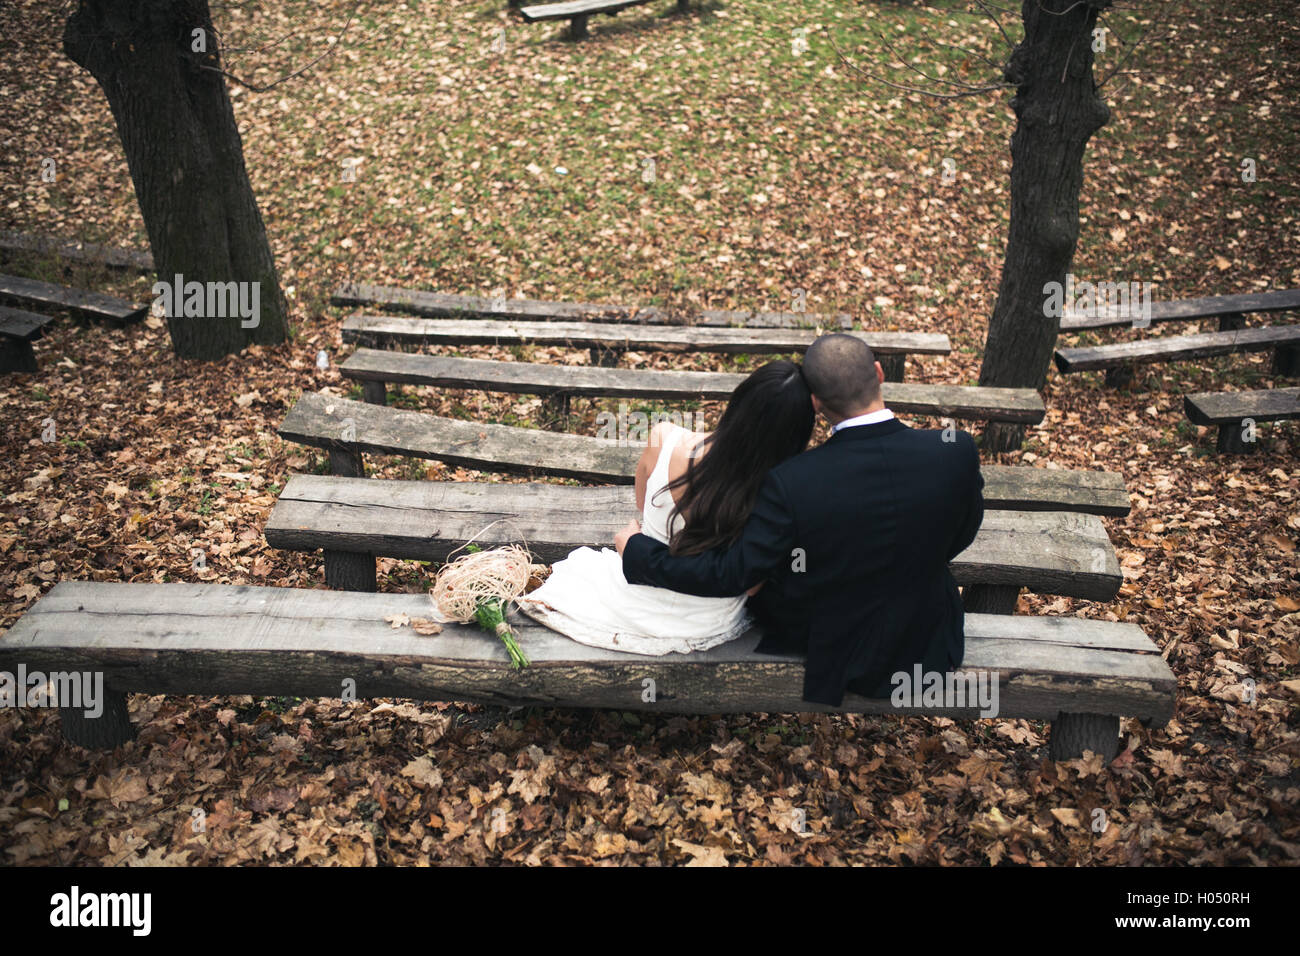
x=871, y=418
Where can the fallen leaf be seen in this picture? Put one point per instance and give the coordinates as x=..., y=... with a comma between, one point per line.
x=702, y=855
x=1067, y=816
x=422, y=771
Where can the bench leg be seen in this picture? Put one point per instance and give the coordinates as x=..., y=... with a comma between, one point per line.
x=1231, y=323
x=1072, y=734
x=990, y=598
x=375, y=393
x=347, y=463
x=16, y=355
x=104, y=732
x=578, y=27
x=556, y=408
x=1232, y=441
x=892, y=366
x=1002, y=436
x=605, y=358
x=350, y=571
x=1286, y=361
x=1119, y=376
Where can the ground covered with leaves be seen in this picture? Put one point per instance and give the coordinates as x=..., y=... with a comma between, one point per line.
x=526, y=171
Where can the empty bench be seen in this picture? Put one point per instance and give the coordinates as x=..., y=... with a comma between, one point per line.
x=1237, y=413
x=94, y=305
x=447, y=305
x=18, y=329
x=375, y=368
x=577, y=12
x=347, y=429
x=354, y=521
x=17, y=244
x=607, y=340
x=1230, y=310
x=214, y=639
x=1119, y=358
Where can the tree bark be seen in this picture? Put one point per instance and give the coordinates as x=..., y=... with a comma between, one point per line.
x=1057, y=110
x=186, y=158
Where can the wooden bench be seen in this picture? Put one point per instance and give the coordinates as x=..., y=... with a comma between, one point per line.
x=214, y=639
x=354, y=520
x=94, y=305
x=347, y=429
x=375, y=368
x=607, y=340
x=1119, y=358
x=1230, y=310
x=87, y=253
x=577, y=12
x=18, y=329
x=445, y=305
x=1230, y=411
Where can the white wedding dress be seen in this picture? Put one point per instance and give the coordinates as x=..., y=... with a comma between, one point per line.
x=587, y=598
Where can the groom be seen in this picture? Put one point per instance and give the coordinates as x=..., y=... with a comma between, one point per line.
x=850, y=539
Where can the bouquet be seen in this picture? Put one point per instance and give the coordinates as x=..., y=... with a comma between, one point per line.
x=479, y=586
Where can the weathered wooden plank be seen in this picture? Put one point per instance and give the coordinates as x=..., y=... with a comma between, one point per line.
x=90, y=253
x=325, y=421
x=1175, y=348
x=20, y=324
x=948, y=401
x=1224, y=408
x=447, y=305
x=217, y=639
x=575, y=8
x=425, y=520
x=1017, y=488
x=1047, y=552
x=93, y=304
x=1186, y=309
x=376, y=330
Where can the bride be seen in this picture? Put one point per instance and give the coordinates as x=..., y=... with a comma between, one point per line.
x=694, y=492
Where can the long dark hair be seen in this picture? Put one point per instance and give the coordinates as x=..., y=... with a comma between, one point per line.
x=769, y=418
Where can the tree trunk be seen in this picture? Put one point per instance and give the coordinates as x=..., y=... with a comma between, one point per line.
x=186, y=159
x=1057, y=110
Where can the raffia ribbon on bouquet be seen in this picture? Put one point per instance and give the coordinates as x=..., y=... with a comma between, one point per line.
x=479, y=587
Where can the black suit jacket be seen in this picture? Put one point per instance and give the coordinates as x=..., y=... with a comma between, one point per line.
x=853, y=540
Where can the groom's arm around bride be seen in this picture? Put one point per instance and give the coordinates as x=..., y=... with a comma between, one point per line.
x=850, y=539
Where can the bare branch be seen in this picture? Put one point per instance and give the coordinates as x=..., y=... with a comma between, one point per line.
x=298, y=72
x=961, y=49
x=1060, y=13
x=987, y=8
x=1133, y=49
x=258, y=49
x=961, y=85
x=973, y=91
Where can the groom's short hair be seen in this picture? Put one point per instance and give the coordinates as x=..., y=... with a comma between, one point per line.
x=841, y=371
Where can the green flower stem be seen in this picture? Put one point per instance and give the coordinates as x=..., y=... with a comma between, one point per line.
x=490, y=615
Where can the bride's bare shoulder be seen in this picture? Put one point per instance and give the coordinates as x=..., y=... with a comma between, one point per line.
x=684, y=451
